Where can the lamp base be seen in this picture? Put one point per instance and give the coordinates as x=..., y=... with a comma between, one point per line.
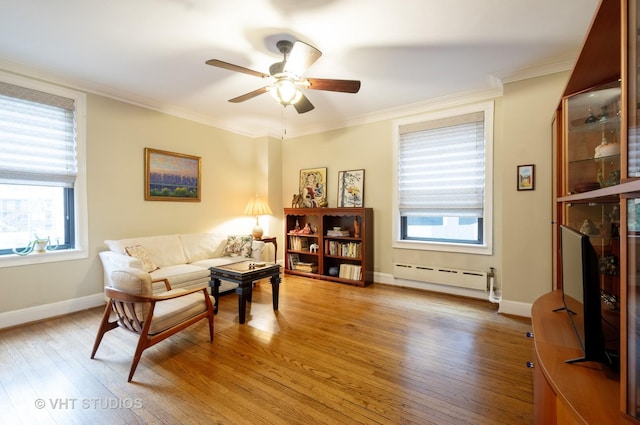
x=257, y=233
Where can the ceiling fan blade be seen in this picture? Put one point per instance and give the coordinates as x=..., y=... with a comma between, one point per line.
x=303, y=105
x=237, y=68
x=249, y=95
x=345, y=86
x=302, y=56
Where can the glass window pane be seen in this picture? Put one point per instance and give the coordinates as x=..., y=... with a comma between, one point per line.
x=27, y=211
x=450, y=229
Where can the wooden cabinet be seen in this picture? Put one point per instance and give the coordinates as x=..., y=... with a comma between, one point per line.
x=597, y=192
x=568, y=393
x=330, y=243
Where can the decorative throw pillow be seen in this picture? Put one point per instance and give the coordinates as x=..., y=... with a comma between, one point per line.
x=238, y=245
x=138, y=251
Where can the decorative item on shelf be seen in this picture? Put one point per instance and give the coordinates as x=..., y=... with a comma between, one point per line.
x=38, y=245
x=306, y=230
x=604, y=114
x=609, y=265
x=334, y=271
x=356, y=227
x=296, y=202
x=611, y=180
x=257, y=207
x=586, y=187
x=314, y=247
x=589, y=228
x=606, y=149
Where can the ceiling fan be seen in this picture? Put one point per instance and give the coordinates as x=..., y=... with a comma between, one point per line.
x=287, y=81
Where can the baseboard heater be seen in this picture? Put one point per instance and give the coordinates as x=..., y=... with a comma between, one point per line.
x=442, y=275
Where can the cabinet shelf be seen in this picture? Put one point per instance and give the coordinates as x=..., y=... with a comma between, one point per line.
x=331, y=263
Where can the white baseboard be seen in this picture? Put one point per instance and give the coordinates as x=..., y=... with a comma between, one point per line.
x=40, y=312
x=506, y=307
x=515, y=308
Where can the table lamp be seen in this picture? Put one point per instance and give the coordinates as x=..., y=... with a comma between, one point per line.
x=257, y=206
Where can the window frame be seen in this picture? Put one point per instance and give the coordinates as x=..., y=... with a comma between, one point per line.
x=485, y=248
x=79, y=229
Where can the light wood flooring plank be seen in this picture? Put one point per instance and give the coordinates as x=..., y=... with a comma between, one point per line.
x=332, y=354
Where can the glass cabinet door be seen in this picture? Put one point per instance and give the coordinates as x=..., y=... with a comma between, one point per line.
x=633, y=305
x=593, y=139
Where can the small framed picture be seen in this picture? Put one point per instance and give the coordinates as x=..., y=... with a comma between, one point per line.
x=526, y=177
x=351, y=188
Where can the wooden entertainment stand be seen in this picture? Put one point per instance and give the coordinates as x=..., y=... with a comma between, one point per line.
x=579, y=393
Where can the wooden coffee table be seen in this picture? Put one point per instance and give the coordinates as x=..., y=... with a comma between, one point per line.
x=244, y=274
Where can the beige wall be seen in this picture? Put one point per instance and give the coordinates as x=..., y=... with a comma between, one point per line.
x=522, y=135
x=235, y=167
x=529, y=106
x=117, y=134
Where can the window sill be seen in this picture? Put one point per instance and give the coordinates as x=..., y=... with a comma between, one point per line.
x=444, y=247
x=13, y=260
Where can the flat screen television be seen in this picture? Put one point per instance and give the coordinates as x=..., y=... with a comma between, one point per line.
x=581, y=282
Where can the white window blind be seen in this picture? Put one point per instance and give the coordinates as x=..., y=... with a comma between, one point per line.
x=37, y=138
x=441, y=167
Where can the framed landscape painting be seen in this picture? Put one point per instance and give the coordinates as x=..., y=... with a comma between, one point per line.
x=170, y=176
x=351, y=188
x=526, y=177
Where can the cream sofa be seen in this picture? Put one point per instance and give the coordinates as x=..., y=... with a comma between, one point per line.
x=183, y=259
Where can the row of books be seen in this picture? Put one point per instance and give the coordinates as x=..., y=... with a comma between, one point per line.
x=298, y=243
x=350, y=271
x=344, y=249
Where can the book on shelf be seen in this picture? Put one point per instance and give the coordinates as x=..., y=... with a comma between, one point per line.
x=298, y=243
x=343, y=249
x=338, y=233
x=307, y=267
x=350, y=271
x=294, y=259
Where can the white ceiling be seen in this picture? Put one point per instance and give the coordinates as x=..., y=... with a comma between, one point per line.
x=405, y=52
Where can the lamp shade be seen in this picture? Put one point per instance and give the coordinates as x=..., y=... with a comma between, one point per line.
x=257, y=206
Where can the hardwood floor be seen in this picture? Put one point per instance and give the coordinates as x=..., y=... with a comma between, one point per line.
x=332, y=354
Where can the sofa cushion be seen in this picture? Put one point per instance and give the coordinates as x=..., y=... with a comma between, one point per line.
x=200, y=246
x=166, y=250
x=180, y=276
x=138, y=251
x=171, y=312
x=238, y=245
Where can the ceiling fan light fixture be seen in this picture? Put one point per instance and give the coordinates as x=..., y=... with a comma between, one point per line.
x=285, y=92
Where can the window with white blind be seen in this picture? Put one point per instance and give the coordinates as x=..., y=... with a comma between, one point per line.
x=443, y=175
x=41, y=152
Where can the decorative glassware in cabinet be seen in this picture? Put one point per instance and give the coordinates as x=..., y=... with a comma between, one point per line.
x=593, y=139
x=601, y=222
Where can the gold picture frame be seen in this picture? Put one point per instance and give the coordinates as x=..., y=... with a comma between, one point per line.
x=171, y=176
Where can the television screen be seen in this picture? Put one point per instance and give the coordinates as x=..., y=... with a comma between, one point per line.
x=581, y=282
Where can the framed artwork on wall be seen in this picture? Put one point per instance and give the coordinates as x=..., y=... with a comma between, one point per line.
x=351, y=188
x=526, y=177
x=170, y=176
x=312, y=187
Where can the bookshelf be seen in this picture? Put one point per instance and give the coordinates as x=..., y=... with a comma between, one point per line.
x=333, y=244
